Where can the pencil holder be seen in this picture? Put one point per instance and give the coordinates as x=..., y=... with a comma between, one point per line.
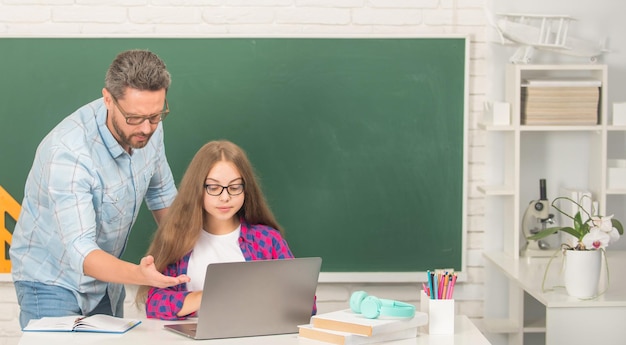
x=440, y=315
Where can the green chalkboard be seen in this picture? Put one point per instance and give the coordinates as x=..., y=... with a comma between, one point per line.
x=359, y=142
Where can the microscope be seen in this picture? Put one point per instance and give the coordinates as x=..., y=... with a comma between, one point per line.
x=536, y=218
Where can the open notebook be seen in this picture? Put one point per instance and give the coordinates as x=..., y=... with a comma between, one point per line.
x=254, y=298
x=99, y=323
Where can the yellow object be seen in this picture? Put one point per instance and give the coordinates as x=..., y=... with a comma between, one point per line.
x=10, y=206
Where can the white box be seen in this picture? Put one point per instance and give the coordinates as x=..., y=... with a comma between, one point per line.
x=616, y=176
x=497, y=113
x=619, y=114
x=440, y=314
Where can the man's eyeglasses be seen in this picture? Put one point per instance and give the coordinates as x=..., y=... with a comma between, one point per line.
x=135, y=120
x=216, y=189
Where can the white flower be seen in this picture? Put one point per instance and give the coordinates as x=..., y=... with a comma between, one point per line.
x=604, y=223
x=596, y=239
x=614, y=235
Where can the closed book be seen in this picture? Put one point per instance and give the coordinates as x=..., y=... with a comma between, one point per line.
x=562, y=82
x=564, y=106
x=554, y=112
x=346, y=338
x=562, y=122
x=560, y=91
x=348, y=321
x=98, y=323
x=561, y=98
x=561, y=94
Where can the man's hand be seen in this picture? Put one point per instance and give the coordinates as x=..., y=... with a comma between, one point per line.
x=105, y=267
x=155, y=278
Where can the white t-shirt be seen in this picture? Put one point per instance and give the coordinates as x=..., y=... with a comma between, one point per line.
x=211, y=249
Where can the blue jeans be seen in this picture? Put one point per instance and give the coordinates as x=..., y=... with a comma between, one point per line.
x=37, y=300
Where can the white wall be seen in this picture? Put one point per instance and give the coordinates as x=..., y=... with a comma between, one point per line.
x=207, y=18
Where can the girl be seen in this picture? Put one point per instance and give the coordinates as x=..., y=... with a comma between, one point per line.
x=219, y=215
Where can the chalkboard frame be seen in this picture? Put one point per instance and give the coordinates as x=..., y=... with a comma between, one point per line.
x=349, y=276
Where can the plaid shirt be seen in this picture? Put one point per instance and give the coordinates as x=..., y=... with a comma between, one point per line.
x=84, y=193
x=257, y=242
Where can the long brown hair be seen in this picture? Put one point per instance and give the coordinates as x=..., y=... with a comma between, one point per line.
x=180, y=229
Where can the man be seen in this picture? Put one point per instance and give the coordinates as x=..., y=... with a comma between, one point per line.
x=84, y=191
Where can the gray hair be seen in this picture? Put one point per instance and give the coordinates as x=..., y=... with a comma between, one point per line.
x=137, y=69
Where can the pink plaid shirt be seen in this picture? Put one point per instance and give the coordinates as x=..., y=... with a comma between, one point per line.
x=257, y=242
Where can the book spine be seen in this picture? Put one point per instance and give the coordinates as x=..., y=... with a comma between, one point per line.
x=569, y=83
x=345, y=338
x=342, y=326
x=328, y=337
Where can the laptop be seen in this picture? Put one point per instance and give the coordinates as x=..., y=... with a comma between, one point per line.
x=252, y=298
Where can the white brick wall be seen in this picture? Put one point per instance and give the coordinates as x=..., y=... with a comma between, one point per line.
x=9, y=325
x=205, y=18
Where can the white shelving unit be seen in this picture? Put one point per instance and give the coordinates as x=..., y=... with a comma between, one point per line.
x=518, y=156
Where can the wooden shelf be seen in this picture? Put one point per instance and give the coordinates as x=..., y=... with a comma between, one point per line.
x=501, y=326
x=531, y=128
x=497, y=190
x=495, y=128
x=616, y=191
x=535, y=326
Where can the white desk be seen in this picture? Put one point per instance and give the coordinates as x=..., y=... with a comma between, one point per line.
x=570, y=320
x=152, y=332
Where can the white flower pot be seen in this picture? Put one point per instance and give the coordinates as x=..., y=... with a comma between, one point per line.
x=582, y=272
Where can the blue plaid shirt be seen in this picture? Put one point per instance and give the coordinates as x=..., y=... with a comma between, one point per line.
x=83, y=193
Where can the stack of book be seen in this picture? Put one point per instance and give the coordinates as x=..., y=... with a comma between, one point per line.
x=344, y=327
x=560, y=101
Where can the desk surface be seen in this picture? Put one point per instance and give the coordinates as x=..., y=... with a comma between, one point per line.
x=152, y=332
x=528, y=273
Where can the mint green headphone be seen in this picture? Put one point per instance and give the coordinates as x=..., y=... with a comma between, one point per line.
x=371, y=307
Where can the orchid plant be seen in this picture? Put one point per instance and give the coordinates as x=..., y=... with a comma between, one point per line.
x=596, y=232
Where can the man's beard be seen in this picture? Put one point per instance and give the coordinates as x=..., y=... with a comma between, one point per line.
x=127, y=140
